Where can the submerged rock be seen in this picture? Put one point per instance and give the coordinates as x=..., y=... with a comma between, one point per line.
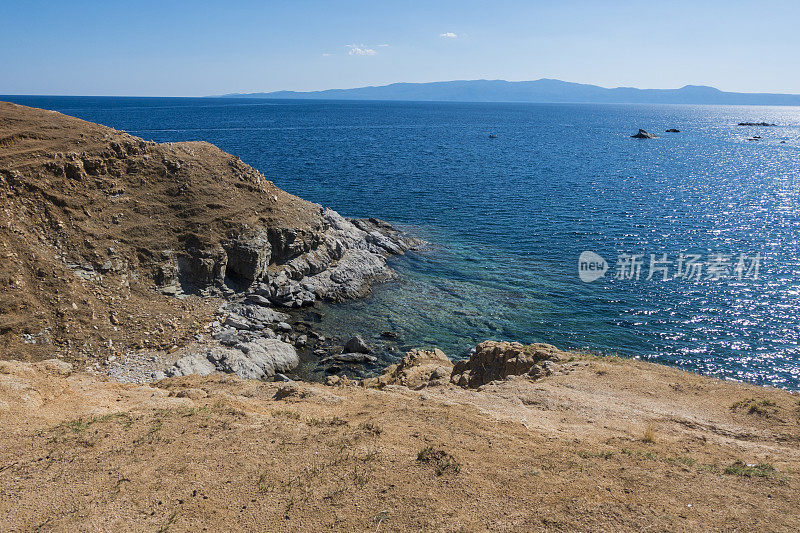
x=756, y=124
x=357, y=345
x=644, y=135
x=350, y=357
x=673, y=130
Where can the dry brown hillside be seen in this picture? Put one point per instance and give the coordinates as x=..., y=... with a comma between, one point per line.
x=92, y=218
x=601, y=445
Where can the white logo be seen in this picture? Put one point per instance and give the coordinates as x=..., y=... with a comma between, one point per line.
x=591, y=266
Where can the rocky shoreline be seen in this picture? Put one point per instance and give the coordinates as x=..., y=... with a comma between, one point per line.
x=142, y=260
x=259, y=332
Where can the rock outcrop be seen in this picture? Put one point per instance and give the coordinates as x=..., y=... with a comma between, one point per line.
x=346, y=258
x=673, y=130
x=416, y=370
x=258, y=358
x=642, y=134
x=497, y=360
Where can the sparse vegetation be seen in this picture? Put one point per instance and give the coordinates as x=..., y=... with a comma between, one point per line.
x=605, y=454
x=649, y=434
x=79, y=425
x=740, y=468
x=443, y=461
x=333, y=421
x=370, y=427
x=754, y=406
x=284, y=413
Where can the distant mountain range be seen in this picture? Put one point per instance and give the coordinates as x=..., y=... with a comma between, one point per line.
x=540, y=91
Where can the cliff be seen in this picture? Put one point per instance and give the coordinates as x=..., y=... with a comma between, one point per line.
x=110, y=243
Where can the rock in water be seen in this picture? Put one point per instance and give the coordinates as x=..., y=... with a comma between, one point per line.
x=644, y=135
x=756, y=124
x=357, y=345
x=671, y=130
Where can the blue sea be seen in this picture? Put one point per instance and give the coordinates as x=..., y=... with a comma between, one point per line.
x=507, y=218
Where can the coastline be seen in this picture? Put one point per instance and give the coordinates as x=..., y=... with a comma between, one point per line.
x=164, y=294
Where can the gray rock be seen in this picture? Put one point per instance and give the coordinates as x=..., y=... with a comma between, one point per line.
x=258, y=358
x=644, y=135
x=258, y=299
x=270, y=355
x=236, y=362
x=350, y=358
x=284, y=326
x=248, y=258
x=357, y=345
x=258, y=313
x=192, y=364
x=238, y=322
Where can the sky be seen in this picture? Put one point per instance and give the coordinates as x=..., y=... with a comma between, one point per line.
x=198, y=48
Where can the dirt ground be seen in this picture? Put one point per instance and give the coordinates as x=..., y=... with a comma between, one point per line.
x=607, y=444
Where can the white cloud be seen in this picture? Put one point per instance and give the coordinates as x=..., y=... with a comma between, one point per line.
x=326, y=54
x=383, y=45
x=449, y=35
x=360, y=50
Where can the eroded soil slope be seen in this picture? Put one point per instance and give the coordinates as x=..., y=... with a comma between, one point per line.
x=93, y=220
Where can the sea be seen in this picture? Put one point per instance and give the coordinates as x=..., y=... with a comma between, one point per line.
x=543, y=222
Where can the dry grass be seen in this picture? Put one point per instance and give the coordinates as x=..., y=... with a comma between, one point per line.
x=649, y=434
x=517, y=456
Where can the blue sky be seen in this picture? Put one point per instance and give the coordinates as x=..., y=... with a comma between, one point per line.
x=182, y=48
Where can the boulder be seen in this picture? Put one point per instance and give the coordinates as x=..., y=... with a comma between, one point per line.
x=248, y=258
x=357, y=345
x=644, y=135
x=416, y=370
x=258, y=358
x=257, y=299
x=497, y=360
x=192, y=364
x=258, y=313
x=238, y=322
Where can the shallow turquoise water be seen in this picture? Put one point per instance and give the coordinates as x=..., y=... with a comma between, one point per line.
x=508, y=217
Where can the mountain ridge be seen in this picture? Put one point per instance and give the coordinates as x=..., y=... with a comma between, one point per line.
x=544, y=90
